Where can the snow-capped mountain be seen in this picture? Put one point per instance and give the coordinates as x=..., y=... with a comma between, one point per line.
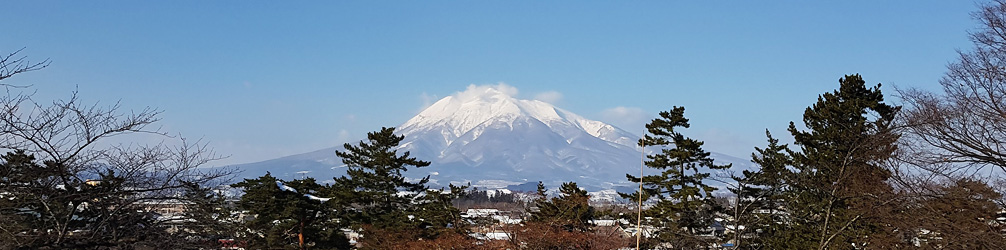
x=489, y=138
x=485, y=134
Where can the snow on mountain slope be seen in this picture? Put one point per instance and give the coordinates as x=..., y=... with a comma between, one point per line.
x=471, y=110
x=487, y=137
x=484, y=133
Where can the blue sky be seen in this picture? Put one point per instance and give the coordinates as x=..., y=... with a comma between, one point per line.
x=260, y=80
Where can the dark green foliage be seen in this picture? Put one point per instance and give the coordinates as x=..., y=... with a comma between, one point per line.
x=375, y=193
x=20, y=180
x=685, y=208
x=209, y=217
x=436, y=212
x=482, y=197
x=372, y=197
x=838, y=189
x=761, y=201
x=279, y=216
x=771, y=176
x=374, y=181
x=108, y=209
x=570, y=211
x=38, y=199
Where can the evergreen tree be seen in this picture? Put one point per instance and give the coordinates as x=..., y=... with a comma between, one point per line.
x=377, y=195
x=838, y=189
x=436, y=212
x=40, y=200
x=570, y=211
x=685, y=208
x=285, y=216
x=761, y=201
x=23, y=186
x=208, y=217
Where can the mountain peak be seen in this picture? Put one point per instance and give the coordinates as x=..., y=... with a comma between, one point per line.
x=465, y=110
x=487, y=130
x=487, y=136
x=476, y=106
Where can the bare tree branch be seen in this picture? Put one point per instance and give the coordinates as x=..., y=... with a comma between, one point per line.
x=12, y=64
x=965, y=126
x=88, y=190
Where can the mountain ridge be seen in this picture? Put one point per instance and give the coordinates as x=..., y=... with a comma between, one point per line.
x=471, y=134
x=489, y=138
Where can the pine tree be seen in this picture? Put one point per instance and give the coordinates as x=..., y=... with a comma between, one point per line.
x=685, y=208
x=286, y=218
x=761, y=201
x=23, y=184
x=39, y=200
x=436, y=212
x=838, y=189
x=377, y=195
x=570, y=211
x=208, y=217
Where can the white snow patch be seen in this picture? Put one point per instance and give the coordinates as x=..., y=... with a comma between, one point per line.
x=317, y=198
x=285, y=187
x=493, y=193
x=494, y=184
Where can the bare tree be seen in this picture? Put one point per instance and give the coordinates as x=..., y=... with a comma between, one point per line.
x=965, y=126
x=75, y=189
x=952, y=140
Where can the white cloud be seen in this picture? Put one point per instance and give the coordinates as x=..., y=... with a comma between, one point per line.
x=506, y=89
x=476, y=91
x=552, y=97
x=630, y=119
x=472, y=92
x=426, y=100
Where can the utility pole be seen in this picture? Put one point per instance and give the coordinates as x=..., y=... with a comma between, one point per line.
x=639, y=212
